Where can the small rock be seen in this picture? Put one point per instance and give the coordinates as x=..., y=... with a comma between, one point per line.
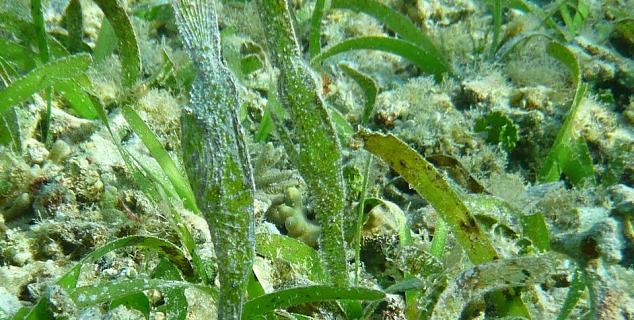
x=9, y=304
x=623, y=197
x=59, y=151
x=123, y=313
x=36, y=152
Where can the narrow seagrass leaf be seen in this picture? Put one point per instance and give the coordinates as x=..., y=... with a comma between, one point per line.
x=165, y=71
x=161, y=191
x=40, y=29
x=7, y=72
x=69, y=280
x=17, y=21
x=72, y=90
x=135, y=300
x=432, y=186
x=565, y=15
x=314, y=40
x=295, y=296
x=25, y=31
x=141, y=180
x=74, y=24
x=496, y=8
x=17, y=54
x=155, y=189
x=582, y=11
x=342, y=126
x=427, y=62
x=106, y=42
x=65, y=39
x=578, y=286
x=395, y=21
x=534, y=227
x=103, y=292
x=266, y=126
x=569, y=154
x=171, y=251
x=441, y=233
x=10, y=130
x=153, y=186
x=275, y=246
x=128, y=46
x=42, y=77
x=360, y=210
x=10, y=133
x=180, y=183
x=283, y=127
x=254, y=288
x=57, y=49
x=175, y=305
x=369, y=87
x=577, y=162
x=567, y=58
x=573, y=23
x=42, y=43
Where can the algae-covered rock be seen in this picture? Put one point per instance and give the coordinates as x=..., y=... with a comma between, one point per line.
x=83, y=178
x=59, y=151
x=16, y=179
x=9, y=304
x=124, y=313
x=622, y=38
x=54, y=200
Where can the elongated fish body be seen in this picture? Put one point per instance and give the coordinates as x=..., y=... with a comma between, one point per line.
x=215, y=154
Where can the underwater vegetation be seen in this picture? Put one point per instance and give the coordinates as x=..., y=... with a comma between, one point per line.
x=326, y=159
